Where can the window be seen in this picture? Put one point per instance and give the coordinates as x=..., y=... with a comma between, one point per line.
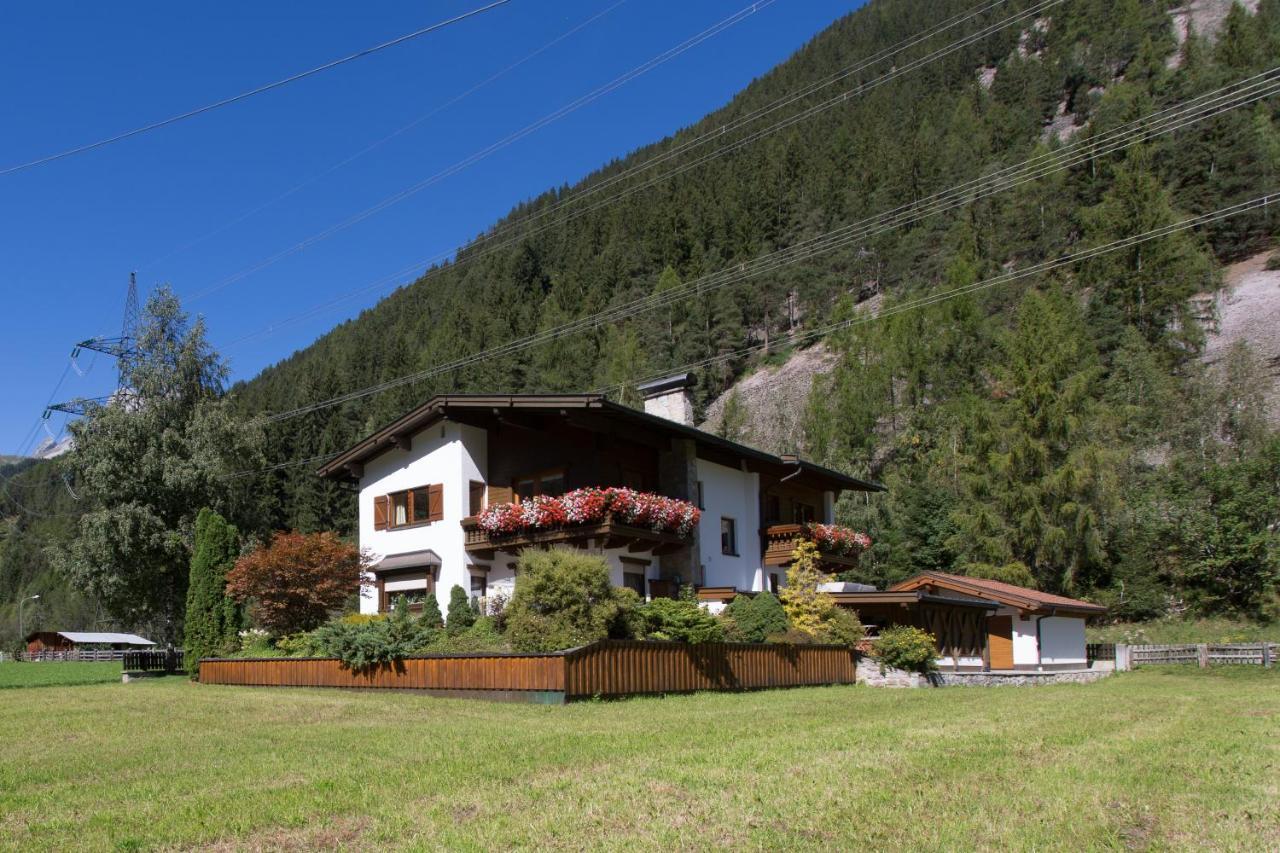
x=728, y=537
x=479, y=586
x=773, y=582
x=550, y=483
x=400, y=509
x=421, y=505
x=420, y=502
x=803, y=513
x=476, y=500
x=635, y=581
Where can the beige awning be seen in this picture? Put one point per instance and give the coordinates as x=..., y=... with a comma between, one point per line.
x=410, y=560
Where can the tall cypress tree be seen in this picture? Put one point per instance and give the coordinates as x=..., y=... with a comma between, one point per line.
x=212, y=618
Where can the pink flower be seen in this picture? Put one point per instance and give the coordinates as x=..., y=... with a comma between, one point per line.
x=837, y=540
x=590, y=506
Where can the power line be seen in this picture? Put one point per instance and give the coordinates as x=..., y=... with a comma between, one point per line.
x=497, y=75
x=506, y=141
x=522, y=225
x=293, y=78
x=1256, y=203
x=1168, y=120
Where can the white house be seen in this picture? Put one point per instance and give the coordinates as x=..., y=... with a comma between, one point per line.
x=426, y=478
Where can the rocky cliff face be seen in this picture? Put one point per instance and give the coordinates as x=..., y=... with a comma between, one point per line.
x=1248, y=309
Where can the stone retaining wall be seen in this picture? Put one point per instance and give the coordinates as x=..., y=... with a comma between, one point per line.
x=869, y=674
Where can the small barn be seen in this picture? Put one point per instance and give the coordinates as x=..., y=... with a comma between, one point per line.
x=1026, y=630
x=41, y=642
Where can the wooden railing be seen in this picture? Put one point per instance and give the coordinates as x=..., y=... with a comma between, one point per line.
x=166, y=660
x=54, y=655
x=609, y=668
x=780, y=545
x=609, y=532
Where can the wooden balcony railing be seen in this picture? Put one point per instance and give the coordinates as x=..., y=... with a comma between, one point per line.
x=607, y=533
x=780, y=545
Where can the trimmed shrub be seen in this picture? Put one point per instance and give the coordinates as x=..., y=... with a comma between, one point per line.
x=360, y=645
x=482, y=636
x=752, y=619
x=904, y=647
x=842, y=628
x=461, y=614
x=564, y=599
x=681, y=620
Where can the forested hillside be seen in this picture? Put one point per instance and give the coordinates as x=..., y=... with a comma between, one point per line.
x=1058, y=429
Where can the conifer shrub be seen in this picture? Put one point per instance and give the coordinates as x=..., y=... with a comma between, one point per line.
x=564, y=599
x=461, y=613
x=212, y=619
x=431, y=611
x=841, y=627
x=681, y=620
x=905, y=647
x=753, y=619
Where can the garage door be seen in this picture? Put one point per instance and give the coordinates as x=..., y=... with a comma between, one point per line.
x=1000, y=641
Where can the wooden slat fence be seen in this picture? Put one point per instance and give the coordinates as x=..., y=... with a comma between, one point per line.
x=1205, y=654
x=624, y=668
x=610, y=668
x=168, y=661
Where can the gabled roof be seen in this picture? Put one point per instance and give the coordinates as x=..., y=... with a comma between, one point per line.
x=454, y=405
x=102, y=637
x=1008, y=594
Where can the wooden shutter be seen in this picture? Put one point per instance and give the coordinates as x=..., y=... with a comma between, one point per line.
x=500, y=495
x=475, y=503
x=435, y=502
x=381, y=512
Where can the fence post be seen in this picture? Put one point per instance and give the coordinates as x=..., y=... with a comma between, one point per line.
x=1122, y=657
x=1266, y=654
x=1203, y=650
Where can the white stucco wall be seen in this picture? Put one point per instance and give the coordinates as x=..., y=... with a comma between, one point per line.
x=449, y=453
x=731, y=493
x=1025, y=650
x=1062, y=640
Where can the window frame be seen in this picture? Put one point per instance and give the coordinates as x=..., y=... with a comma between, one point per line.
x=729, y=549
x=636, y=573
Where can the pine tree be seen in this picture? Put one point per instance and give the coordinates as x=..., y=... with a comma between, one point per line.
x=431, y=614
x=807, y=607
x=212, y=618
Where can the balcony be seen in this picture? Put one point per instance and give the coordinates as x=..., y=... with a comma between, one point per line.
x=605, y=533
x=780, y=545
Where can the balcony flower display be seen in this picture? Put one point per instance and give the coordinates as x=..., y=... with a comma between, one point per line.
x=591, y=505
x=834, y=539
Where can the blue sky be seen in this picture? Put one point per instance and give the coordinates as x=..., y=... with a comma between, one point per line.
x=185, y=204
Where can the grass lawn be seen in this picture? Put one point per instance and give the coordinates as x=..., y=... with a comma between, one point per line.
x=57, y=673
x=1156, y=758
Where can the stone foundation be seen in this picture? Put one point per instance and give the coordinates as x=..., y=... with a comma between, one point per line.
x=869, y=673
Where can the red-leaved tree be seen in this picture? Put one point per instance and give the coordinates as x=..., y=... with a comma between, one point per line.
x=295, y=582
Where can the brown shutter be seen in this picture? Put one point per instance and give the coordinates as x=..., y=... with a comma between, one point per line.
x=475, y=504
x=435, y=502
x=500, y=495
x=381, y=512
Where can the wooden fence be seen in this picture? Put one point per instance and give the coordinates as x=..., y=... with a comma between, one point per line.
x=53, y=655
x=1201, y=654
x=167, y=661
x=609, y=668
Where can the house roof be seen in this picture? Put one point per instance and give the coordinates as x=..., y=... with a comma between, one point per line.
x=104, y=637
x=1008, y=594
x=913, y=596
x=455, y=405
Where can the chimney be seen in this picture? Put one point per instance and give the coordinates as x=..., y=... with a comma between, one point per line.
x=670, y=398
